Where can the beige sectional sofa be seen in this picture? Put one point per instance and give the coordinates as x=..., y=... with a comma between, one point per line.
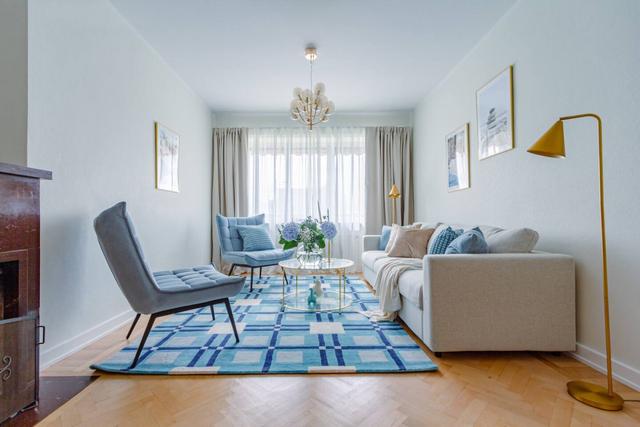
x=500, y=301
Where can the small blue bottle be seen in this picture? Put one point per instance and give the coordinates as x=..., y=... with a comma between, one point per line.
x=311, y=299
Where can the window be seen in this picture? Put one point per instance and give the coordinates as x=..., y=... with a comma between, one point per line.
x=292, y=170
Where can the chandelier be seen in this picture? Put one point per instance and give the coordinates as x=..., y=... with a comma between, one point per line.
x=308, y=106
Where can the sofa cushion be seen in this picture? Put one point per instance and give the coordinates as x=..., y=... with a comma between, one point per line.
x=517, y=240
x=410, y=243
x=470, y=242
x=410, y=286
x=370, y=257
x=378, y=263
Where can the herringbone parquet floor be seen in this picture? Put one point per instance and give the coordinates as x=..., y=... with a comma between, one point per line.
x=483, y=389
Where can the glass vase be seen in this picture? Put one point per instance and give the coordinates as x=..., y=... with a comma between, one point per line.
x=309, y=258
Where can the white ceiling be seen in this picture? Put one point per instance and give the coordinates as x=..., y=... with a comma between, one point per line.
x=374, y=55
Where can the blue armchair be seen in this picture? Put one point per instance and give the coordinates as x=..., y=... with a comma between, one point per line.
x=162, y=293
x=231, y=246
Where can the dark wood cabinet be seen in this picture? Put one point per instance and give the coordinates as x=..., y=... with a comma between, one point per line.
x=19, y=286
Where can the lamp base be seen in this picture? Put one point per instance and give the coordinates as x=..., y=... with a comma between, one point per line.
x=595, y=395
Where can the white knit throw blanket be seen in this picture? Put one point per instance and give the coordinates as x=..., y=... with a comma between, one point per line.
x=386, y=287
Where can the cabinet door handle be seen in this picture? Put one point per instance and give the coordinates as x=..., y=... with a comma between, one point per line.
x=42, y=335
x=6, y=369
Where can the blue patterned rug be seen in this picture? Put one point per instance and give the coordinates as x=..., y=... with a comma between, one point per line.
x=273, y=341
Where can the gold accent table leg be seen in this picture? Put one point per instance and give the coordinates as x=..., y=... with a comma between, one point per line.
x=340, y=290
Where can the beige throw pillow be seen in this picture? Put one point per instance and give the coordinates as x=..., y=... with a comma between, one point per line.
x=394, y=232
x=411, y=243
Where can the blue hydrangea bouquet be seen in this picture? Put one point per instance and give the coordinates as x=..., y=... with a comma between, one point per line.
x=309, y=235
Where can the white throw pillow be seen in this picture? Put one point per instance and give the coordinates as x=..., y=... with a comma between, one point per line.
x=517, y=240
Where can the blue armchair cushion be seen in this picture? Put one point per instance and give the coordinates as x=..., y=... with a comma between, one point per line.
x=258, y=258
x=229, y=238
x=254, y=237
x=470, y=242
x=185, y=279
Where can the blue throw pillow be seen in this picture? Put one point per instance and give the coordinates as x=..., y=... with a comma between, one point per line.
x=384, y=237
x=443, y=240
x=470, y=242
x=255, y=237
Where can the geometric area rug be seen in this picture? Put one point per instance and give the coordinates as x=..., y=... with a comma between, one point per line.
x=273, y=341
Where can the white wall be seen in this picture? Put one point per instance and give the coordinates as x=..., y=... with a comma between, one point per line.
x=570, y=56
x=268, y=120
x=96, y=89
x=13, y=81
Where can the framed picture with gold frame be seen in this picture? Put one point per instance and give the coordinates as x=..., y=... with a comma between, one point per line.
x=458, y=161
x=167, y=158
x=494, y=109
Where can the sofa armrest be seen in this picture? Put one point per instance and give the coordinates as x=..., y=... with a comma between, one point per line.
x=370, y=242
x=499, y=302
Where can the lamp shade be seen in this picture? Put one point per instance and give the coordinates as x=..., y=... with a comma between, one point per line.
x=394, y=193
x=551, y=144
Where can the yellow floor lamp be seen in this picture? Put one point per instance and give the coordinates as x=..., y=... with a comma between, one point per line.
x=551, y=144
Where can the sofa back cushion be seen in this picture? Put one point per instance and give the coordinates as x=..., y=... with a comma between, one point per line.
x=517, y=240
x=470, y=242
x=410, y=243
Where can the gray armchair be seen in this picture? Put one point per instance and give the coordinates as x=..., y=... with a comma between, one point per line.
x=162, y=293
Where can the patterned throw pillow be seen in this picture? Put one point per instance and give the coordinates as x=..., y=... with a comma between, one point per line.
x=470, y=242
x=443, y=240
x=255, y=237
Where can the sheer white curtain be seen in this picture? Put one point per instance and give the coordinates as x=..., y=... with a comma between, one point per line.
x=291, y=170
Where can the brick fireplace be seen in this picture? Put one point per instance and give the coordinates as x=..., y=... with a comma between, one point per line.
x=20, y=331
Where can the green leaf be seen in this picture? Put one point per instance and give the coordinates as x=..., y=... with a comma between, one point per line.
x=290, y=245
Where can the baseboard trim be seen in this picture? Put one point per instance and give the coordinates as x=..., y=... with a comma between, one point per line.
x=91, y=335
x=622, y=372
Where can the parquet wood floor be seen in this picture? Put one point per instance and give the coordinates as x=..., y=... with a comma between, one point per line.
x=480, y=389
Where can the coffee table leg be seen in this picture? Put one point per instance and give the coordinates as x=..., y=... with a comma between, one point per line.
x=284, y=281
x=340, y=293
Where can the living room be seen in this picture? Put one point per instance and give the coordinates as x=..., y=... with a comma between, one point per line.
x=342, y=213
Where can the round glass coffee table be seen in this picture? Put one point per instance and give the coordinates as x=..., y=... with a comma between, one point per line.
x=331, y=299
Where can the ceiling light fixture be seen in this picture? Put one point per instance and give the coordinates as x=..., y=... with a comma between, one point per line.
x=308, y=106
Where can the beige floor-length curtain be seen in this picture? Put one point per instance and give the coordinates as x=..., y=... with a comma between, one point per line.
x=229, y=186
x=388, y=158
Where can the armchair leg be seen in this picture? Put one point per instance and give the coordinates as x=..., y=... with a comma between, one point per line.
x=231, y=269
x=133, y=325
x=231, y=319
x=213, y=315
x=142, y=341
x=251, y=286
x=260, y=273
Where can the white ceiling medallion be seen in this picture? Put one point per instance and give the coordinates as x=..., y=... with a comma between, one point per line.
x=308, y=106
